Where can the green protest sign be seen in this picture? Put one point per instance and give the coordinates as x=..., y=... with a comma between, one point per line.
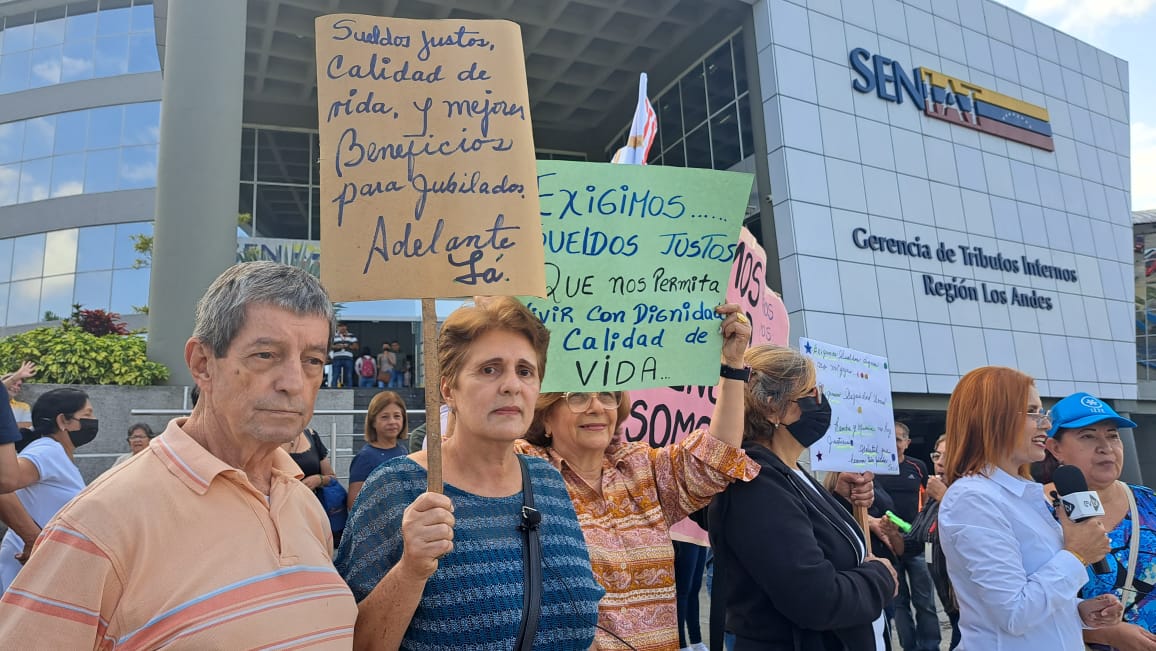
x=637, y=257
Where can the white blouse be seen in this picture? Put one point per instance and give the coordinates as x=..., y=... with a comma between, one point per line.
x=1015, y=584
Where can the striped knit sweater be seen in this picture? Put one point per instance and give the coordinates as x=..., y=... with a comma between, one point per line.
x=474, y=600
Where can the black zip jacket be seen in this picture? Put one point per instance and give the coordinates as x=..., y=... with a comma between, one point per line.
x=790, y=567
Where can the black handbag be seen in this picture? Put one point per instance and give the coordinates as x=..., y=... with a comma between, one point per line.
x=531, y=563
x=920, y=533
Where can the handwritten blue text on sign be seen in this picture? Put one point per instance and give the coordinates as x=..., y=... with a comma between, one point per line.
x=636, y=260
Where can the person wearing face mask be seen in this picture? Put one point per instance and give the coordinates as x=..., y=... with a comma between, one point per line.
x=790, y=560
x=62, y=420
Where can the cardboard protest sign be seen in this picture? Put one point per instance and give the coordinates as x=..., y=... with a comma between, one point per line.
x=862, y=432
x=636, y=260
x=665, y=415
x=427, y=159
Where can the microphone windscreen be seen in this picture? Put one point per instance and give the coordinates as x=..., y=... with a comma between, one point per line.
x=1068, y=480
x=1079, y=502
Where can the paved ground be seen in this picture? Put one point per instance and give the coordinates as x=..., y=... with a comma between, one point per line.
x=944, y=625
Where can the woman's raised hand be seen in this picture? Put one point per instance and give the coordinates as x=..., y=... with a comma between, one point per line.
x=736, y=331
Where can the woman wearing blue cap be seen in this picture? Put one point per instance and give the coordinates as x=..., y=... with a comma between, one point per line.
x=1085, y=434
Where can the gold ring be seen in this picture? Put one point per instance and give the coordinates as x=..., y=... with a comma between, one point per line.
x=741, y=318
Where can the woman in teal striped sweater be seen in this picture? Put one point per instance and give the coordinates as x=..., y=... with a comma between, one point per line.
x=433, y=571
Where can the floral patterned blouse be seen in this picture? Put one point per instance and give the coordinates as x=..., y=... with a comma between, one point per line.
x=1140, y=608
x=627, y=528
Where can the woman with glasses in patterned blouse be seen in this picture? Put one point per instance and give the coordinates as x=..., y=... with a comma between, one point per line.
x=628, y=494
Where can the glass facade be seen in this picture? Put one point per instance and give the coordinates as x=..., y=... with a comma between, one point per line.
x=280, y=194
x=704, y=118
x=1144, y=276
x=79, y=152
x=95, y=266
x=79, y=40
x=280, y=184
x=93, y=150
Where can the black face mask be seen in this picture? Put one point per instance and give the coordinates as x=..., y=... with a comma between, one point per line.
x=814, y=421
x=87, y=432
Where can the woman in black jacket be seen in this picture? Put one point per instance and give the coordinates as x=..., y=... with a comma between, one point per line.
x=789, y=557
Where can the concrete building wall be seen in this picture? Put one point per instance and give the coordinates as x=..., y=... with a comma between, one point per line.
x=843, y=158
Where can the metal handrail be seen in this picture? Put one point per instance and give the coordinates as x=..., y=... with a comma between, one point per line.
x=344, y=453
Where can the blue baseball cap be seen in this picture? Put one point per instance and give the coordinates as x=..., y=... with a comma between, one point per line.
x=1081, y=409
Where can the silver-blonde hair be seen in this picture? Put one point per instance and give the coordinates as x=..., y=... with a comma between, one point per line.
x=778, y=376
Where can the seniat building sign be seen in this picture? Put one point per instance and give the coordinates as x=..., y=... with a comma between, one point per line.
x=953, y=100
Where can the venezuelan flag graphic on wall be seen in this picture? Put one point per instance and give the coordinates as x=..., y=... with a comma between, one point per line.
x=970, y=105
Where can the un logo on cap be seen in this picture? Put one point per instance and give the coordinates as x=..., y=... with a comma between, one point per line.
x=1091, y=403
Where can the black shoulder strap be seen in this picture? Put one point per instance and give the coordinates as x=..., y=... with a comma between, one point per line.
x=531, y=563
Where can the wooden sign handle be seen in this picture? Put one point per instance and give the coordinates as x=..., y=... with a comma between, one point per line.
x=861, y=518
x=433, y=395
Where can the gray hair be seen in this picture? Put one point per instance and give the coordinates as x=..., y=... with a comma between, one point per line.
x=221, y=311
x=902, y=427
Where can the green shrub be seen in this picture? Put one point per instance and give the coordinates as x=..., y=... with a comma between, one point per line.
x=69, y=355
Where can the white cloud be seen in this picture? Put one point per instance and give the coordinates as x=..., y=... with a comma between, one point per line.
x=1084, y=17
x=9, y=184
x=68, y=188
x=47, y=71
x=74, y=68
x=1143, y=166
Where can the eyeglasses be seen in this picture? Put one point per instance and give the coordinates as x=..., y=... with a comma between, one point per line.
x=138, y=438
x=579, y=402
x=1040, y=416
x=936, y=456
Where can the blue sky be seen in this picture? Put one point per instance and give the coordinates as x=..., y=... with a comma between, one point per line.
x=1124, y=28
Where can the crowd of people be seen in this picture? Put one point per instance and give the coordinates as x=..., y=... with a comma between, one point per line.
x=352, y=365
x=552, y=532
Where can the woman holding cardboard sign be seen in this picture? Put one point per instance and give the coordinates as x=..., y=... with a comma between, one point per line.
x=790, y=560
x=451, y=570
x=628, y=494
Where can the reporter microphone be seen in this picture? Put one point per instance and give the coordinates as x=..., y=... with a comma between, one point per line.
x=1079, y=502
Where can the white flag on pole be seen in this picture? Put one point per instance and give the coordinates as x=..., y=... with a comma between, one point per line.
x=642, y=130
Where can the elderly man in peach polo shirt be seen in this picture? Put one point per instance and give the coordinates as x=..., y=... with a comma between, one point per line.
x=207, y=539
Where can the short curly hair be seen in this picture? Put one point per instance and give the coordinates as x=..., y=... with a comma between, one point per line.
x=468, y=323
